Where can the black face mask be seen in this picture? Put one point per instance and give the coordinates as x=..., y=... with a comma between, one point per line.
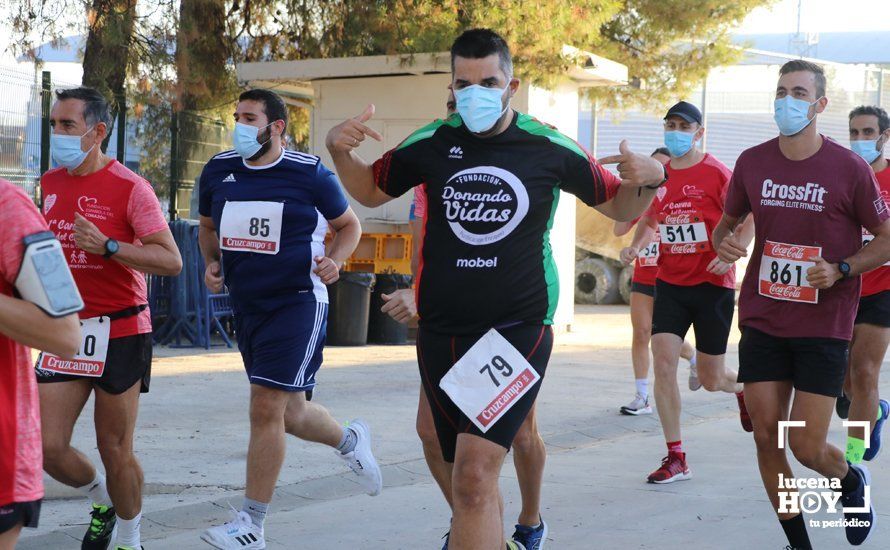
x=266, y=140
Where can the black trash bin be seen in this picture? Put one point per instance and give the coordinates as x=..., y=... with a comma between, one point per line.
x=350, y=303
x=383, y=329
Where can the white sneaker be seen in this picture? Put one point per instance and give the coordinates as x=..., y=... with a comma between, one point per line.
x=362, y=461
x=694, y=382
x=640, y=405
x=238, y=534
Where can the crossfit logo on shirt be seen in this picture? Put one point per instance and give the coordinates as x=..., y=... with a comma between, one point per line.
x=880, y=204
x=810, y=196
x=484, y=204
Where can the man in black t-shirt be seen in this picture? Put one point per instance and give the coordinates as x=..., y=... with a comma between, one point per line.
x=492, y=177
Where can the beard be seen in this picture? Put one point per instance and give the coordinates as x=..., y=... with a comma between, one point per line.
x=267, y=144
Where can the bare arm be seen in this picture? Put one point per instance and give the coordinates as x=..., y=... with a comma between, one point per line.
x=356, y=175
x=629, y=203
x=158, y=254
x=729, y=250
x=620, y=229
x=27, y=324
x=348, y=233
x=208, y=241
x=643, y=235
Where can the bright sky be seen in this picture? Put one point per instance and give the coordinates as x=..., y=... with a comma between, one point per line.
x=819, y=16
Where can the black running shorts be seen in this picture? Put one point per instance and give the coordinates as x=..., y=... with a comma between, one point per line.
x=437, y=353
x=874, y=310
x=707, y=308
x=814, y=365
x=25, y=513
x=128, y=361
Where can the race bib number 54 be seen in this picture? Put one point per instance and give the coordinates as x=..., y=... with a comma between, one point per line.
x=783, y=272
x=251, y=226
x=488, y=380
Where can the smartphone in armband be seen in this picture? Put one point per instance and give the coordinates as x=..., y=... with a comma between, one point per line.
x=45, y=279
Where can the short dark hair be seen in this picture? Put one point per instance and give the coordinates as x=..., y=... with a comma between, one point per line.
x=95, y=106
x=874, y=110
x=796, y=65
x=273, y=106
x=661, y=151
x=479, y=43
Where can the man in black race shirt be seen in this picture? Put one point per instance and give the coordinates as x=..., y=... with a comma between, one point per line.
x=492, y=177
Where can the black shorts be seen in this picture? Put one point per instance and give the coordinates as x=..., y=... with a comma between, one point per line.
x=128, y=361
x=437, y=353
x=648, y=290
x=705, y=307
x=814, y=365
x=874, y=310
x=25, y=513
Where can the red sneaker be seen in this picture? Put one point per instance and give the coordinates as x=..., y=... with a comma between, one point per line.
x=743, y=412
x=673, y=468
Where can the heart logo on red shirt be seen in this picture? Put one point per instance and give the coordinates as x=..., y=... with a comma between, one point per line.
x=84, y=202
x=48, y=203
x=662, y=191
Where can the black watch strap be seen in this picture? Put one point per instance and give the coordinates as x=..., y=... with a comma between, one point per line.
x=662, y=181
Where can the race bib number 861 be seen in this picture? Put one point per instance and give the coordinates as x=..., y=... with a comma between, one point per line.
x=783, y=272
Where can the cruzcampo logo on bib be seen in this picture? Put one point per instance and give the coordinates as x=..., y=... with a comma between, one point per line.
x=484, y=204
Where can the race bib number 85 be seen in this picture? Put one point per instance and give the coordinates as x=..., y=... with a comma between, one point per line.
x=783, y=272
x=488, y=380
x=251, y=226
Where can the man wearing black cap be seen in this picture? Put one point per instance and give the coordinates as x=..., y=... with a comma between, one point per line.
x=693, y=287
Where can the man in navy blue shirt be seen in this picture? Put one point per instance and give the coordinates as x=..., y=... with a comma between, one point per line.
x=264, y=215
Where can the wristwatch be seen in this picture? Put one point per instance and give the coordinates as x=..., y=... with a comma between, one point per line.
x=111, y=248
x=844, y=268
x=662, y=181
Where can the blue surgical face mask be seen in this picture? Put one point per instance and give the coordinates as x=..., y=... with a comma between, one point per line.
x=792, y=115
x=866, y=148
x=678, y=143
x=66, y=150
x=245, y=140
x=480, y=107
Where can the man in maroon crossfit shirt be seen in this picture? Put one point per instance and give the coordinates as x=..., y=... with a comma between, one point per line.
x=810, y=197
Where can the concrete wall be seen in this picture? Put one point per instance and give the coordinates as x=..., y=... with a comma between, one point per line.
x=403, y=104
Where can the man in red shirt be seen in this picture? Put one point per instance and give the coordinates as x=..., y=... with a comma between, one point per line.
x=693, y=287
x=869, y=132
x=642, y=301
x=22, y=324
x=113, y=232
x=810, y=197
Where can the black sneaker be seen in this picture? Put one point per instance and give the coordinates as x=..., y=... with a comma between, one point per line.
x=98, y=535
x=842, y=406
x=859, y=525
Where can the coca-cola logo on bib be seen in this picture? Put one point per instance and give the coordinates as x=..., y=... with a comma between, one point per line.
x=484, y=204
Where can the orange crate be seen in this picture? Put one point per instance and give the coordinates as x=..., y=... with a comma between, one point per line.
x=393, y=266
x=367, y=248
x=395, y=247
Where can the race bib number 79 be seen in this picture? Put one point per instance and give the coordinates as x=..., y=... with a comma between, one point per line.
x=783, y=272
x=251, y=226
x=488, y=380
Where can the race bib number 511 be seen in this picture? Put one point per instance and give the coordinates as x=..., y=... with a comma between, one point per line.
x=251, y=226
x=783, y=272
x=488, y=380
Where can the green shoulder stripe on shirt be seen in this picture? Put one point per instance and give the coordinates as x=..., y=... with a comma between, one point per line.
x=427, y=131
x=535, y=127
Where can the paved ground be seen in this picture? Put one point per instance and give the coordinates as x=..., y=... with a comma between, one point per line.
x=192, y=438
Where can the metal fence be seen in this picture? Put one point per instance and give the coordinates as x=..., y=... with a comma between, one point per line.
x=182, y=143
